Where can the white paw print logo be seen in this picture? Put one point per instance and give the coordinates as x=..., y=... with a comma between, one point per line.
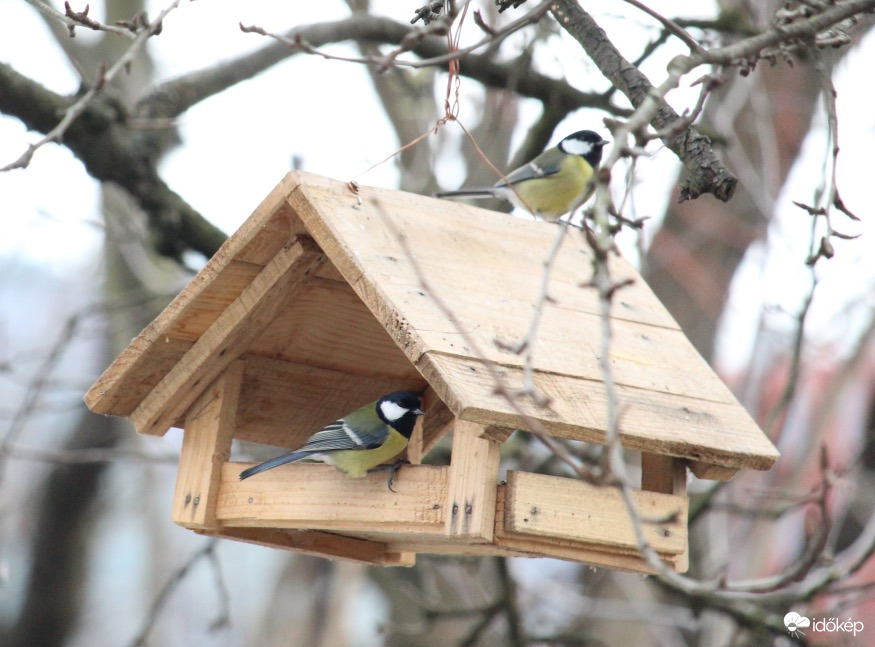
x=794, y=623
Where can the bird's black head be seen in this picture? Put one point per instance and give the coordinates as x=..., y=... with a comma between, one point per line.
x=585, y=143
x=400, y=410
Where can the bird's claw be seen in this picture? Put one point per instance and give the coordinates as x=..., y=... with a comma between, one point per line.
x=392, y=469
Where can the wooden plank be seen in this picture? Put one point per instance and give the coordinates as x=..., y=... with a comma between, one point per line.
x=512, y=545
x=329, y=326
x=443, y=233
x=315, y=496
x=646, y=354
x=563, y=508
x=650, y=421
x=271, y=225
x=328, y=272
x=212, y=301
x=473, y=480
x=451, y=243
x=711, y=472
x=573, y=550
x=284, y=403
x=312, y=496
x=206, y=445
x=319, y=544
x=436, y=422
x=663, y=474
x=227, y=338
x=128, y=380
x=667, y=475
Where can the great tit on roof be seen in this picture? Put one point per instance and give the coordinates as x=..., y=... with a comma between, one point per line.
x=361, y=440
x=552, y=184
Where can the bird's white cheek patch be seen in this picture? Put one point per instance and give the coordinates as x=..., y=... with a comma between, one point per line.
x=576, y=147
x=392, y=411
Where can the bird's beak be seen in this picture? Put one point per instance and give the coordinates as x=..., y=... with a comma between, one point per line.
x=418, y=412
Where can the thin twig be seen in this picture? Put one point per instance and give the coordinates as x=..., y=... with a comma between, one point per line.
x=391, y=59
x=789, y=391
x=35, y=390
x=501, y=387
x=670, y=26
x=206, y=551
x=79, y=106
x=528, y=343
x=78, y=19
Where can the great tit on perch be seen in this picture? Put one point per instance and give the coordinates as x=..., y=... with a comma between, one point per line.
x=361, y=440
x=552, y=184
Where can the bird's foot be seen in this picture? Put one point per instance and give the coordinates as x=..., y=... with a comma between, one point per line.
x=392, y=468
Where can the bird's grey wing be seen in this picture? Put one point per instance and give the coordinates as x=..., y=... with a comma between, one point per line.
x=528, y=172
x=340, y=435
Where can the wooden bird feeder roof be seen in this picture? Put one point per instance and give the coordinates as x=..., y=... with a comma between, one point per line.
x=326, y=299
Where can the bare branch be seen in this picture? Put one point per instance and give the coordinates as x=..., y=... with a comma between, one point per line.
x=174, y=97
x=410, y=42
x=34, y=391
x=706, y=174
x=795, y=363
x=73, y=19
x=113, y=153
x=528, y=343
x=206, y=552
x=670, y=26
x=800, y=30
x=78, y=107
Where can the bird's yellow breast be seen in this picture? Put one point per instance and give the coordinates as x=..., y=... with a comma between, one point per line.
x=555, y=195
x=357, y=462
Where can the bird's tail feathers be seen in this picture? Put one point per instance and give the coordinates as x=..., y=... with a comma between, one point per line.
x=273, y=462
x=473, y=192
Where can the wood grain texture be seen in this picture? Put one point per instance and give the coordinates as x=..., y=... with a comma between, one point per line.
x=706, y=470
x=227, y=338
x=318, y=544
x=650, y=421
x=206, y=446
x=663, y=474
x=422, y=256
x=427, y=538
x=570, y=509
x=328, y=325
x=284, y=403
x=574, y=550
x=430, y=428
x=128, y=380
x=473, y=480
x=315, y=496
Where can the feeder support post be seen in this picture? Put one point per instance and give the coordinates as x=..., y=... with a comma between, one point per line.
x=206, y=445
x=473, y=484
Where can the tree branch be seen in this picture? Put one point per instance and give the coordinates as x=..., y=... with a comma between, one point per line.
x=176, y=96
x=73, y=19
x=706, y=173
x=113, y=152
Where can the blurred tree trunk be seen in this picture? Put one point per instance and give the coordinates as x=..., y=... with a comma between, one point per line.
x=63, y=537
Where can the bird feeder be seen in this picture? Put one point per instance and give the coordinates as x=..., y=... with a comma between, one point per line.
x=330, y=296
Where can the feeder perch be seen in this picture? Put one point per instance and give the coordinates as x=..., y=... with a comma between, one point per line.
x=326, y=299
